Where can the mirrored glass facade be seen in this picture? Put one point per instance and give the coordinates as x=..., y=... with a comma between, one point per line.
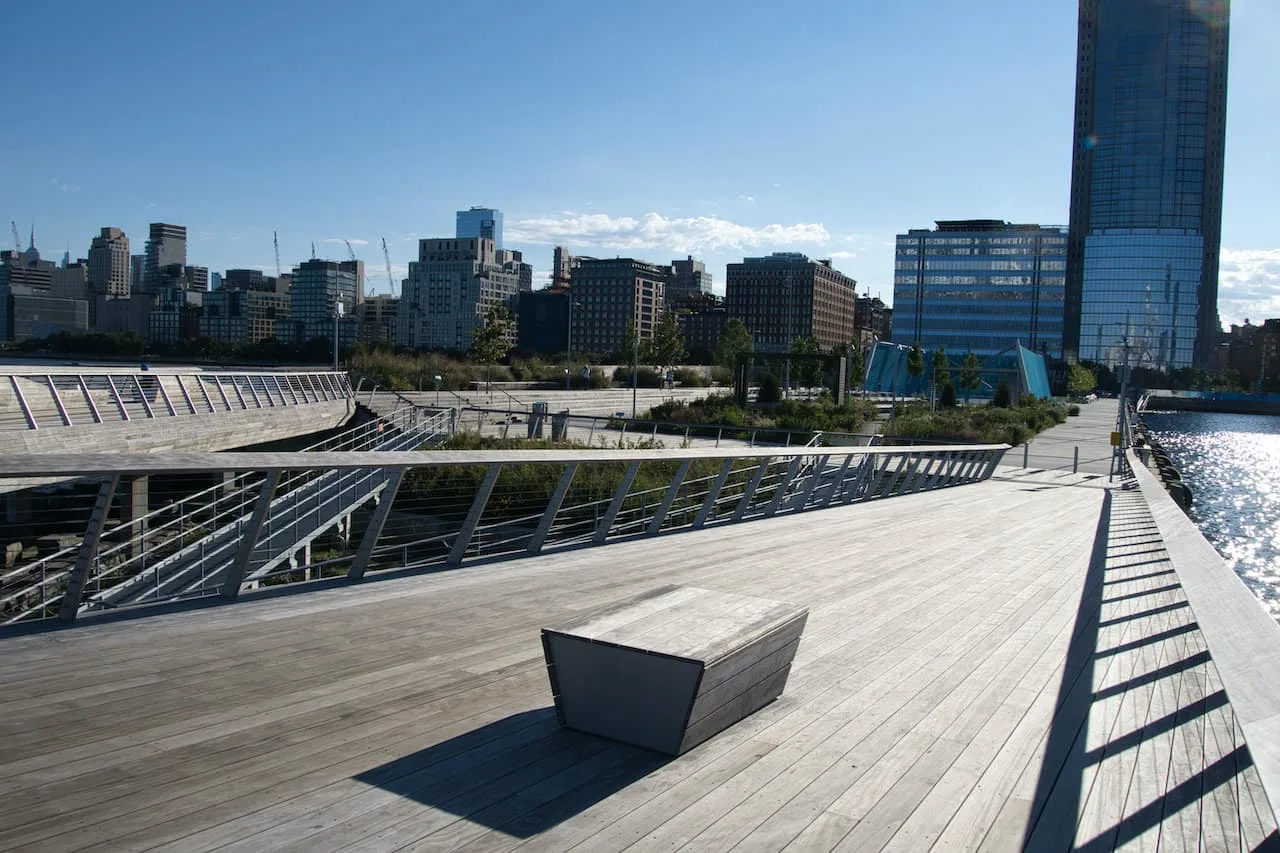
x=981, y=286
x=1146, y=191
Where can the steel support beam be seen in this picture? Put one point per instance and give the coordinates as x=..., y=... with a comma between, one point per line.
x=472, y=520
x=142, y=396
x=164, y=395
x=222, y=392
x=376, y=522
x=615, y=505
x=713, y=494
x=815, y=475
x=866, y=469
x=115, y=393
x=88, y=552
x=249, y=537
x=553, y=507
x=88, y=399
x=660, y=514
x=745, y=500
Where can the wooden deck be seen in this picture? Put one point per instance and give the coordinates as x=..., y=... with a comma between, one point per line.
x=998, y=666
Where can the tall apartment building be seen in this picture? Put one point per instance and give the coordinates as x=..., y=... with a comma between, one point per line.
x=377, y=314
x=1146, y=182
x=483, y=223
x=689, y=280
x=248, y=279
x=981, y=285
x=318, y=286
x=786, y=296
x=356, y=268
x=562, y=265
x=137, y=263
x=109, y=263
x=610, y=294
x=197, y=277
x=166, y=247
x=450, y=289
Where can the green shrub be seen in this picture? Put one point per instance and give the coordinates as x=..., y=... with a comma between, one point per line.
x=947, y=399
x=1073, y=410
x=721, y=375
x=1003, y=398
x=646, y=377
x=690, y=378
x=770, y=389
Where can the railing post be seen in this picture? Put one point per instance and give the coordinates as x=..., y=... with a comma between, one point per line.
x=472, y=520
x=992, y=460
x=222, y=392
x=655, y=524
x=1026, y=454
x=869, y=465
x=249, y=537
x=142, y=395
x=602, y=530
x=22, y=403
x=364, y=551
x=713, y=493
x=88, y=552
x=164, y=395
x=115, y=393
x=88, y=398
x=838, y=485
x=815, y=474
x=553, y=508
x=913, y=474
x=874, y=488
x=781, y=491
x=1075, y=460
x=745, y=500
x=57, y=401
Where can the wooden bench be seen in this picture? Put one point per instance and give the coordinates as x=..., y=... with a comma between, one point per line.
x=670, y=668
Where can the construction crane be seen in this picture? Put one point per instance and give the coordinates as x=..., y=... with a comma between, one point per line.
x=350, y=251
x=275, y=239
x=386, y=256
x=17, y=240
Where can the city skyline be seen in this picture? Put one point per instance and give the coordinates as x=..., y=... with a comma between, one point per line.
x=763, y=144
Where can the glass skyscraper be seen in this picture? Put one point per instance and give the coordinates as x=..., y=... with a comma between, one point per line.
x=981, y=286
x=1146, y=182
x=480, y=223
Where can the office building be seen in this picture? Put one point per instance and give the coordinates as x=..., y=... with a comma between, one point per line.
x=872, y=316
x=70, y=281
x=701, y=318
x=378, y=318
x=215, y=280
x=542, y=321
x=242, y=279
x=109, y=263
x=480, y=223
x=29, y=305
x=25, y=271
x=450, y=290
x=175, y=315
x=166, y=248
x=786, y=296
x=356, y=268
x=689, y=280
x=1146, y=182
x=980, y=285
x=318, y=286
x=137, y=264
x=197, y=277
x=611, y=294
x=243, y=315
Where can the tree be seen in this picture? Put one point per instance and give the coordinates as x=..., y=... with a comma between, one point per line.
x=667, y=347
x=941, y=370
x=491, y=342
x=1080, y=380
x=970, y=375
x=947, y=399
x=915, y=361
x=735, y=339
x=1003, y=397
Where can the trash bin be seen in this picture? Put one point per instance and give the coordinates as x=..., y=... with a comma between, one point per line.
x=536, y=417
x=560, y=425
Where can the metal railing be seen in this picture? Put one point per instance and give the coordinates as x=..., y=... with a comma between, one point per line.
x=37, y=401
x=184, y=547
x=443, y=509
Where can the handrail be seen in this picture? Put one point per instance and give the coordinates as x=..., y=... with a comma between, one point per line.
x=1243, y=638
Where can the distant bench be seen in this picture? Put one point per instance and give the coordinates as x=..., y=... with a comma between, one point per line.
x=668, y=669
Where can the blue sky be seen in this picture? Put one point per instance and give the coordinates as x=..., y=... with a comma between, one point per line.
x=656, y=129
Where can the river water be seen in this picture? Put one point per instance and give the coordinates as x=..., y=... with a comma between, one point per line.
x=1232, y=464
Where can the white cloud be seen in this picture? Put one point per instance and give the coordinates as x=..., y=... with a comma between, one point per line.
x=355, y=241
x=842, y=254
x=655, y=231
x=1248, y=285
x=65, y=187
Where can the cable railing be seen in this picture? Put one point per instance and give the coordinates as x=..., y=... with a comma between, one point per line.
x=444, y=509
x=180, y=547
x=40, y=401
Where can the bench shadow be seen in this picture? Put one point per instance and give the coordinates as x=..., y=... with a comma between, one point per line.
x=520, y=775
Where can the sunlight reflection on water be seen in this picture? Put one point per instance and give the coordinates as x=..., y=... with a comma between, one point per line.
x=1232, y=464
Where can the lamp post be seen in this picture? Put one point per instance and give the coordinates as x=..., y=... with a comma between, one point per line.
x=337, y=315
x=635, y=368
x=437, y=390
x=568, y=356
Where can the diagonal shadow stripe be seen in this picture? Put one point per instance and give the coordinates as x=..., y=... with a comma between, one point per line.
x=1143, y=614
x=1148, y=575
x=1155, y=728
x=1167, y=634
x=1142, y=593
x=1153, y=676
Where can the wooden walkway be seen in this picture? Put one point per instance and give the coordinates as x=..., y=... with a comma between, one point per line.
x=1001, y=666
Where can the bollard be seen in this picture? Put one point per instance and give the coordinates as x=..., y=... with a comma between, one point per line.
x=1075, y=461
x=1026, y=454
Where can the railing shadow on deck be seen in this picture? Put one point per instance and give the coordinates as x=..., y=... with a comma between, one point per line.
x=520, y=775
x=1066, y=769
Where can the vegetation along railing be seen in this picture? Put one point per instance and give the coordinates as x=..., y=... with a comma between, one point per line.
x=443, y=509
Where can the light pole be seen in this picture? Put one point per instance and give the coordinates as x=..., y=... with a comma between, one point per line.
x=635, y=368
x=568, y=357
x=437, y=390
x=337, y=315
